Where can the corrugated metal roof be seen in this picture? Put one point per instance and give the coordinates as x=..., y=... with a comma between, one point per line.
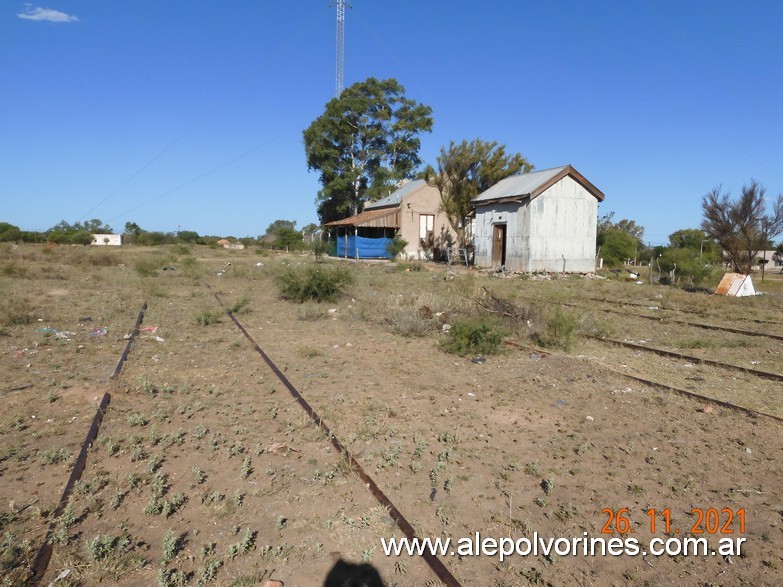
x=396, y=197
x=384, y=218
x=532, y=184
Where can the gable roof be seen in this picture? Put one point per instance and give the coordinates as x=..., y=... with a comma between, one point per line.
x=397, y=196
x=532, y=184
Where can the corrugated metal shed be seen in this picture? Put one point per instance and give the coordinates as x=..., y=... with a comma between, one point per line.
x=383, y=218
x=531, y=185
x=396, y=197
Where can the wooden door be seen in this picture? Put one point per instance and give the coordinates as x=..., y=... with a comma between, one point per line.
x=498, y=245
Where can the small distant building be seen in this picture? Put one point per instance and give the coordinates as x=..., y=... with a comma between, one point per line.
x=539, y=221
x=411, y=212
x=227, y=244
x=107, y=240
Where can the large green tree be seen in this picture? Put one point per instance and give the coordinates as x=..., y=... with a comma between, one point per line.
x=742, y=226
x=365, y=142
x=465, y=170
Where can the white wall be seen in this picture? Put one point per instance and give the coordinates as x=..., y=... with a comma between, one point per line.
x=555, y=232
x=112, y=240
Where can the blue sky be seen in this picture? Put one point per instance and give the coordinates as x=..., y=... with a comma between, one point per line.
x=189, y=114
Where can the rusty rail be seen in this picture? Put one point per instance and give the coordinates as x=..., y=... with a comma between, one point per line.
x=41, y=563
x=432, y=561
x=682, y=322
x=691, y=358
x=665, y=387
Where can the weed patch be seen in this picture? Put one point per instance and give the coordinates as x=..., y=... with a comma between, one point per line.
x=316, y=283
x=476, y=335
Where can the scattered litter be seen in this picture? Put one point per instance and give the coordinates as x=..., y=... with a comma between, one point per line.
x=40, y=319
x=331, y=311
x=259, y=264
x=653, y=308
x=102, y=331
x=589, y=418
x=64, y=334
x=707, y=409
x=169, y=268
x=446, y=327
x=754, y=362
x=63, y=574
x=560, y=403
x=479, y=360
x=747, y=450
x=150, y=329
x=633, y=275
x=433, y=493
x=639, y=282
x=160, y=339
x=535, y=356
x=85, y=319
x=471, y=394
x=126, y=337
x=278, y=447
x=348, y=345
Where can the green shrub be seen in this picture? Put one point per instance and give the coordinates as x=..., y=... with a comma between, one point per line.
x=396, y=246
x=560, y=331
x=476, y=335
x=315, y=283
x=209, y=317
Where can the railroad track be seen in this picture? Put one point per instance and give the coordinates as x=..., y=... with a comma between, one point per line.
x=658, y=385
x=682, y=322
x=41, y=563
x=434, y=563
x=647, y=306
x=45, y=552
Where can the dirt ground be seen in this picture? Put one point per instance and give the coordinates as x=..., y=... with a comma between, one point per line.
x=206, y=471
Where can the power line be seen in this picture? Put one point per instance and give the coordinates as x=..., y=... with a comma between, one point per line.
x=202, y=176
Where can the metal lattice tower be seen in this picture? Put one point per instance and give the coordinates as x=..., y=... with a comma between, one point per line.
x=338, y=89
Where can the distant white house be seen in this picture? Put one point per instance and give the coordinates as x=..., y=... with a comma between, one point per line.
x=539, y=221
x=110, y=240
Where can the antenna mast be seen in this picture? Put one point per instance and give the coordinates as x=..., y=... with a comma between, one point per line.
x=338, y=88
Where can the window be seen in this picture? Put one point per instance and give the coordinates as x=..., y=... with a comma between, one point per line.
x=426, y=226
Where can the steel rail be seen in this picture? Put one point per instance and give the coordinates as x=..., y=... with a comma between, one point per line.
x=681, y=322
x=663, y=386
x=691, y=358
x=435, y=564
x=41, y=563
x=620, y=303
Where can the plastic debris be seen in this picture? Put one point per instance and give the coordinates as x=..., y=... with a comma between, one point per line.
x=446, y=327
x=169, y=268
x=62, y=334
x=755, y=362
x=589, y=418
x=102, y=331
x=150, y=329
x=479, y=360
x=160, y=339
